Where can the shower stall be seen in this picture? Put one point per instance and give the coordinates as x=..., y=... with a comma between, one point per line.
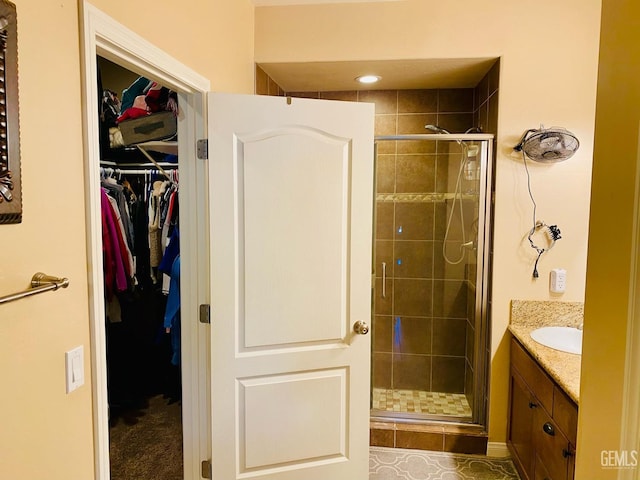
x=431, y=264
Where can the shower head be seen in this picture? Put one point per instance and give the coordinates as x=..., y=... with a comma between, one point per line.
x=436, y=129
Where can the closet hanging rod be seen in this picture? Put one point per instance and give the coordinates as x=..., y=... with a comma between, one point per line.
x=40, y=283
x=133, y=171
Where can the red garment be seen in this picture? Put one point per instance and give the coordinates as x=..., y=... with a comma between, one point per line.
x=153, y=97
x=138, y=109
x=131, y=113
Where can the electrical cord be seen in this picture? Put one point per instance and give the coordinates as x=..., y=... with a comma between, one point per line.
x=552, y=230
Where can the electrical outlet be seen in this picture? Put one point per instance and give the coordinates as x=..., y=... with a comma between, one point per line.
x=558, y=280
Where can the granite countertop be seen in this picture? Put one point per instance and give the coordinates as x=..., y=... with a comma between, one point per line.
x=562, y=367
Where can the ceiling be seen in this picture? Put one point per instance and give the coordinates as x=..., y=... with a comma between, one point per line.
x=396, y=74
x=270, y=3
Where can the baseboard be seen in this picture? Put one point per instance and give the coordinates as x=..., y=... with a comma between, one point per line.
x=497, y=449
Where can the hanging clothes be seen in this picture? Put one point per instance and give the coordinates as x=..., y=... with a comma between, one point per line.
x=169, y=234
x=112, y=243
x=117, y=192
x=140, y=221
x=172, y=313
x=155, y=213
x=125, y=249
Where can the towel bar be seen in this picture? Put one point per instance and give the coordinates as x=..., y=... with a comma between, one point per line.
x=40, y=283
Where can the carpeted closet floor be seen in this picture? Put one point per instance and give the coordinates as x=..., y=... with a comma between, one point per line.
x=146, y=443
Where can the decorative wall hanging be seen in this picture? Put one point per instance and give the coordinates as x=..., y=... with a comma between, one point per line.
x=10, y=185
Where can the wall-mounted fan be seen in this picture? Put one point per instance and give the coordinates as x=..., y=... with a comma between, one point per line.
x=548, y=145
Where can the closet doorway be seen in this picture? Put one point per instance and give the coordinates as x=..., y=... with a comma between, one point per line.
x=133, y=359
x=139, y=176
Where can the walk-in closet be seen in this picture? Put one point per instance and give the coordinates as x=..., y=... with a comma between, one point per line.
x=140, y=186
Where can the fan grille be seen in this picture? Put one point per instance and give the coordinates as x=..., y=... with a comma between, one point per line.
x=553, y=145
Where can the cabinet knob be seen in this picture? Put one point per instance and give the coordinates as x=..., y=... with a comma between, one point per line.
x=532, y=404
x=548, y=429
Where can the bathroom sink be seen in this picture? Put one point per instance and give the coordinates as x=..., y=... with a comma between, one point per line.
x=565, y=339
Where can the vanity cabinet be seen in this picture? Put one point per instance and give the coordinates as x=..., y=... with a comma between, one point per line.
x=543, y=421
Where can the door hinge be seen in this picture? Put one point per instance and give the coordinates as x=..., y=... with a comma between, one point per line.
x=202, y=149
x=206, y=469
x=205, y=313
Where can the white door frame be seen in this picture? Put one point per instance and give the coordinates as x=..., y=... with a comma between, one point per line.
x=101, y=35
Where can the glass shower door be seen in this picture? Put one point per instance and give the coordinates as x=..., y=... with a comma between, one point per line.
x=430, y=238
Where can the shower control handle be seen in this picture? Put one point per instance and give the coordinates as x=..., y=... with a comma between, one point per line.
x=361, y=328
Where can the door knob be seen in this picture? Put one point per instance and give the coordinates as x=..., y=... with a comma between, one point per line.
x=361, y=328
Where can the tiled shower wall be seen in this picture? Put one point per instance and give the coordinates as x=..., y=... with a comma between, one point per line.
x=422, y=333
x=265, y=84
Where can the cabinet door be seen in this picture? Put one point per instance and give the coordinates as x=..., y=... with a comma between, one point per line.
x=521, y=424
x=572, y=463
x=541, y=472
x=551, y=446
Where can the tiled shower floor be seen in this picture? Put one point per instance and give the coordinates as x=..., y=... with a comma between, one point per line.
x=417, y=401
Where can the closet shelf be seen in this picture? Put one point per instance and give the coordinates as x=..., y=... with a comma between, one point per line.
x=168, y=147
x=123, y=166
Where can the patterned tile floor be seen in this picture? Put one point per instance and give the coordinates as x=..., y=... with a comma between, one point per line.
x=400, y=464
x=417, y=401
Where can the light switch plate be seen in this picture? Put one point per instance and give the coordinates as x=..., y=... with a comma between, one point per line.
x=74, y=362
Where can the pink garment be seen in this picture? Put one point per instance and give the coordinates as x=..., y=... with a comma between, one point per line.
x=127, y=256
x=107, y=258
x=114, y=242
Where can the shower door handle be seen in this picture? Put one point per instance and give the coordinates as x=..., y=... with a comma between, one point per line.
x=361, y=328
x=384, y=279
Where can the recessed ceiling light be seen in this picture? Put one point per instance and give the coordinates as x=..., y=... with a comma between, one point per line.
x=368, y=78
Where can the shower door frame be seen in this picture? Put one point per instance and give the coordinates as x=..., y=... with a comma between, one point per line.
x=481, y=357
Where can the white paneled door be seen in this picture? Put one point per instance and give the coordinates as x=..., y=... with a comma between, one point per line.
x=291, y=198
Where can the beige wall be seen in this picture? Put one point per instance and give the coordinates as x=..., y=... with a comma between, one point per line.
x=44, y=432
x=616, y=157
x=548, y=76
x=213, y=37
